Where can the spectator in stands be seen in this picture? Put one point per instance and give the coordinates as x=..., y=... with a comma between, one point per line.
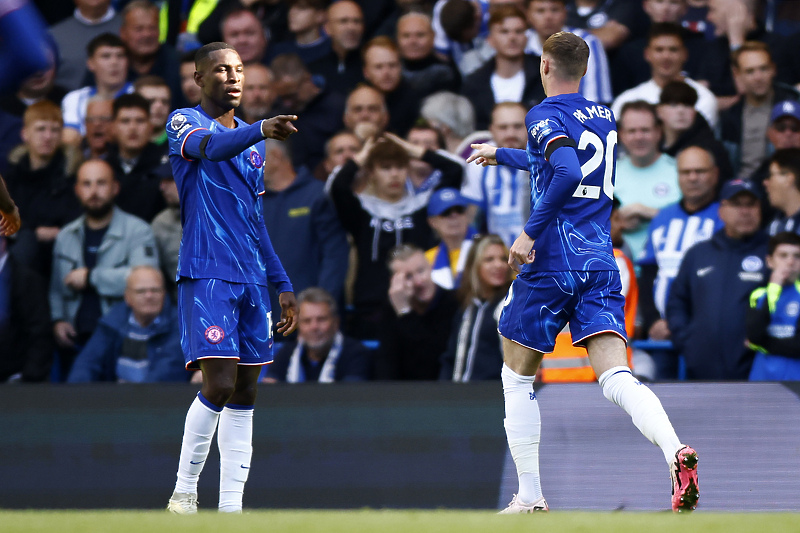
x=611, y=21
x=339, y=148
x=447, y=215
x=382, y=70
x=473, y=351
x=647, y=180
x=734, y=23
x=425, y=72
x=147, y=55
x=675, y=229
x=167, y=229
x=783, y=132
x=629, y=68
x=108, y=61
x=40, y=179
x=91, y=19
x=137, y=340
x=365, y=112
x=502, y=193
x=319, y=109
x=666, y=54
x=743, y=127
x=460, y=31
x=772, y=319
x=305, y=20
x=35, y=88
x=258, y=93
x=708, y=299
x=783, y=190
x=134, y=158
x=156, y=91
x=321, y=353
x=245, y=32
x=384, y=216
x=547, y=17
x=511, y=75
x=342, y=68
x=99, y=116
x=683, y=126
x=92, y=258
x=189, y=89
x=416, y=325
x=24, y=322
x=453, y=116
x=272, y=15
x=303, y=225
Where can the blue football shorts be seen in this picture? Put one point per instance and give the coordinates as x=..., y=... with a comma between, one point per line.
x=221, y=319
x=539, y=304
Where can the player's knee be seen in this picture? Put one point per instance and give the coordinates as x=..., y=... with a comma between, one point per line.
x=245, y=395
x=219, y=391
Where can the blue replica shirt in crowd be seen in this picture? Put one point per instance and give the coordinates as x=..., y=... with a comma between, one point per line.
x=219, y=176
x=571, y=189
x=672, y=232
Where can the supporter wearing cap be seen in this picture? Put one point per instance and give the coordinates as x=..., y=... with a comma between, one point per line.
x=447, y=215
x=709, y=297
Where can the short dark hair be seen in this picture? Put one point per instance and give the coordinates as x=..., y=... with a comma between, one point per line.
x=105, y=39
x=401, y=252
x=501, y=12
x=149, y=80
x=788, y=160
x=678, y=92
x=569, y=52
x=457, y=16
x=288, y=65
x=422, y=124
x=661, y=29
x=127, y=101
x=386, y=153
x=317, y=295
x=638, y=105
x=317, y=5
x=206, y=50
x=784, y=237
x=529, y=2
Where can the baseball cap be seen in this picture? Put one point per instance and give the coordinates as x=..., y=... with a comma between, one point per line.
x=443, y=199
x=734, y=187
x=787, y=108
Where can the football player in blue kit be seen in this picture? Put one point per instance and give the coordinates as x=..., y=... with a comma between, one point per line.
x=567, y=273
x=225, y=262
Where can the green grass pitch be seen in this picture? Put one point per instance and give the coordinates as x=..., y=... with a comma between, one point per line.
x=356, y=521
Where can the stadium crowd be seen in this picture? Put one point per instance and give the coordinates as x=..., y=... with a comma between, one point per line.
x=397, y=249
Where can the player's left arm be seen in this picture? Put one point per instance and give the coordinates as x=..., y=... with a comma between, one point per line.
x=561, y=154
x=280, y=280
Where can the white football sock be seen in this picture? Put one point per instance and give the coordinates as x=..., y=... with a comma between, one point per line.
x=201, y=422
x=643, y=405
x=235, y=439
x=523, y=429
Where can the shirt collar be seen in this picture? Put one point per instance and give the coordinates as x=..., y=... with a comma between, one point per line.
x=105, y=18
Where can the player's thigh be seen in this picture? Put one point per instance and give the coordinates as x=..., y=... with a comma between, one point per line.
x=522, y=360
x=255, y=326
x=537, y=307
x=209, y=311
x=606, y=351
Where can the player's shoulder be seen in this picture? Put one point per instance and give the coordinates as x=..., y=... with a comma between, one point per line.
x=182, y=120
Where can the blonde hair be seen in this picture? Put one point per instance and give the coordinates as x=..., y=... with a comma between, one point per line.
x=471, y=284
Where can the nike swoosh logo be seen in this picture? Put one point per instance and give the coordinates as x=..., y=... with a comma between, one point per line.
x=703, y=271
x=197, y=462
x=247, y=467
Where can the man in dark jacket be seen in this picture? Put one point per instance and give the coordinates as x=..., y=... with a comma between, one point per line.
x=415, y=330
x=303, y=225
x=138, y=340
x=709, y=298
x=511, y=75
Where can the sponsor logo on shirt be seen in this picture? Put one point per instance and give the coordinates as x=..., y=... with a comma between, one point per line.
x=703, y=271
x=541, y=129
x=752, y=263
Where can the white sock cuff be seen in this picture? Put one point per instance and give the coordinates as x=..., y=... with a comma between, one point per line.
x=610, y=372
x=507, y=373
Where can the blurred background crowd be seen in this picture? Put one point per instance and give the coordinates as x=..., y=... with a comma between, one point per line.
x=397, y=250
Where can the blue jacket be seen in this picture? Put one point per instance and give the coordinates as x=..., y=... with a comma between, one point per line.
x=772, y=330
x=708, y=302
x=101, y=357
x=307, y=236
x=474, y=350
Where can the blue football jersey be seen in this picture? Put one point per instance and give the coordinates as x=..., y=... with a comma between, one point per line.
x=575, y=235
x=221, y=209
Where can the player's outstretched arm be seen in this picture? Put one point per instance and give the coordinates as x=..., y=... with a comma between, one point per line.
x=279, y=127
x=288, y=313
x=9, y=214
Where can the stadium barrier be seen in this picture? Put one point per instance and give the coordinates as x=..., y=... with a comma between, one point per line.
x=398, y=445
